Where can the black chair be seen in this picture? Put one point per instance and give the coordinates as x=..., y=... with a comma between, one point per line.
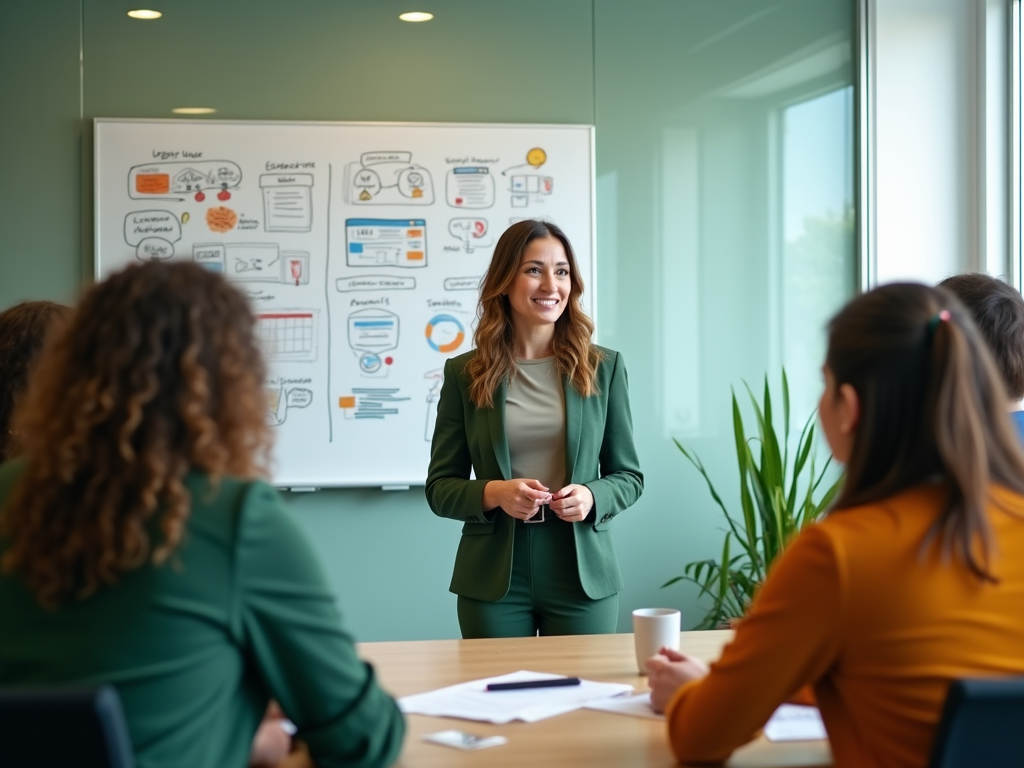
x=54, y=728
x=982, y=725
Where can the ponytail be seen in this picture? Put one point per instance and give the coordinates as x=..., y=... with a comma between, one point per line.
x=932, y=406
x=958, y=418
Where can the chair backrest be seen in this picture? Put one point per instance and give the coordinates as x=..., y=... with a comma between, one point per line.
x=73, y=727
x=982, y=725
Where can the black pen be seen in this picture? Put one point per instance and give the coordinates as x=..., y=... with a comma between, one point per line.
x=556, y=682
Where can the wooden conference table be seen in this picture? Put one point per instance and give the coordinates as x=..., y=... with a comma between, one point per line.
x=584, y=737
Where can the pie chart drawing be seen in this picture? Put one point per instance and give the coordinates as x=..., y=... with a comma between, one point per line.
x=445, y=333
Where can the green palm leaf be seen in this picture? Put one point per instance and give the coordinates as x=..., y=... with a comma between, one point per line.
x=776, y=502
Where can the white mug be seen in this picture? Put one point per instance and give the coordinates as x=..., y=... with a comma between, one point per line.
x=654, y=629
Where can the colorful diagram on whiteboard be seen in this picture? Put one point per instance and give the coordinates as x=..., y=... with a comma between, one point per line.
x=287, y=202
x=386, y=242
x=445, y=333
x=370, y=403
x=153, y=233
x=167, y=181
x=254, y=262
x=470, y=187
x=288, y=334
x=280, y=399
x=371, y=333
x=527, y=187
x=471, y=232
x=388, y=178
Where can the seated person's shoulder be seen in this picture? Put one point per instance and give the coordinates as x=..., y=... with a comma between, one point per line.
x=232, y=506
x=904, y=515
x=250, y=518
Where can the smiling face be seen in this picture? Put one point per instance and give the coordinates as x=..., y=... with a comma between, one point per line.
x=540, y=291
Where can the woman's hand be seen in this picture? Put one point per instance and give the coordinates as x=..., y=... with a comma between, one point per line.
x=270, y=745
x=573, y=503
x=669, y=670
x=520, y=498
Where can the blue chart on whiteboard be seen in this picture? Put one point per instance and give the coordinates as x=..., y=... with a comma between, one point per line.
x=361, y=248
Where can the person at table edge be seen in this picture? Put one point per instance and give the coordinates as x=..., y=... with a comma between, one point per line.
x=141, y=548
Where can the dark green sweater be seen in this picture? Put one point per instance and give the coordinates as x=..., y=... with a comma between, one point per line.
x=197, y=646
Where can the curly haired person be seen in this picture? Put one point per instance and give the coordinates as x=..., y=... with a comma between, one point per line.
x=140, y=544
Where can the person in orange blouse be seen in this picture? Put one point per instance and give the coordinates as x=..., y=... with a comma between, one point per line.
x=914, y=579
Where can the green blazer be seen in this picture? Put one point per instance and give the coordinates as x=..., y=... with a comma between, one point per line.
x=195, y=647
x=599, y=454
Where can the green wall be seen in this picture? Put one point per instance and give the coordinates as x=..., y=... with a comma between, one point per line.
x=41, y=146
x=637, y=69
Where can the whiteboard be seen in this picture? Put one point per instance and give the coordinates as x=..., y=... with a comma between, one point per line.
x=361, y=247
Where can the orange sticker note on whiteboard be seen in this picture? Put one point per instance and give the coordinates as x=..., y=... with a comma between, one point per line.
x=221, y=219
x=153, y=183
x=347, y=401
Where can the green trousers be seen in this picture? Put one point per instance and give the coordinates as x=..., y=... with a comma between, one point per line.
x=545, y=596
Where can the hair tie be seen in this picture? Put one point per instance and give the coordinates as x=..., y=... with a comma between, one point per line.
x=942, y=316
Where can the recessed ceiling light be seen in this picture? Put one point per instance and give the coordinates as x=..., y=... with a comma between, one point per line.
x=416, y=16
x=144, y=14
x=193, y=110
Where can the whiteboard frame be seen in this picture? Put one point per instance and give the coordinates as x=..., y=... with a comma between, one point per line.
x=590, y=275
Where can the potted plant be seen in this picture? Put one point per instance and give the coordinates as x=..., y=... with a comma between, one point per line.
x=777, y=501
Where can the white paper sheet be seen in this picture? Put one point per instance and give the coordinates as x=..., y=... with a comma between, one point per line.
x=471, y=701
x=792, y=722
x=637, y=706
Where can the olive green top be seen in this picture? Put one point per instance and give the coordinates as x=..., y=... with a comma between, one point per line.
x=535, y=423
x=196, y=647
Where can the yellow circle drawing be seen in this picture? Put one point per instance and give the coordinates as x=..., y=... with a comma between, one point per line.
x=184, y=217
x=536, y=157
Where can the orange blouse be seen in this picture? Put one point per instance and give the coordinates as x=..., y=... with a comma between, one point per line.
x=876, y=622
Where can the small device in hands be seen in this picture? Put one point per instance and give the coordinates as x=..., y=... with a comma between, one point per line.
x=539, y=516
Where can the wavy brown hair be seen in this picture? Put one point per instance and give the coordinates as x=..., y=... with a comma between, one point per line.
x=495, y=360
x=23, y=329
x=157, y=373
x=933, y=405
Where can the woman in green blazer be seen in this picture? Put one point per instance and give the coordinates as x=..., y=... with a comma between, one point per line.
x=540, y=417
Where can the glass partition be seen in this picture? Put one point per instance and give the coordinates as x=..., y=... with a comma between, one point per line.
x=817, y=230
x=725, y=145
